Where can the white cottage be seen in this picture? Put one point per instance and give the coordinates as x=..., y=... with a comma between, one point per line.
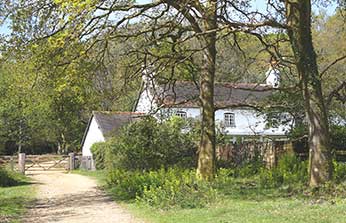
x=103, y=125
x=234, y=103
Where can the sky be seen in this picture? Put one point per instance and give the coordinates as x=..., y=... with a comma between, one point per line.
x=4, y=29
x=258, y=4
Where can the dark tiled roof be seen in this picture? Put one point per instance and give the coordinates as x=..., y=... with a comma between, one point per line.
x=186, y=94
x=111, y=122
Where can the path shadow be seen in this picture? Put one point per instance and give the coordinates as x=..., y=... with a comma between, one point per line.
x=20, y=183
x=62, y=207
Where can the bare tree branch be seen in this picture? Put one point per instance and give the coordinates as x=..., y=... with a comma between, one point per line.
x=332, y=64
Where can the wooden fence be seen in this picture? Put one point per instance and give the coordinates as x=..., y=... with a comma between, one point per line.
x=239, y=153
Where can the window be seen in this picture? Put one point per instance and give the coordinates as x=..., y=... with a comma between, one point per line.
x=229, y=119
x=181, y=114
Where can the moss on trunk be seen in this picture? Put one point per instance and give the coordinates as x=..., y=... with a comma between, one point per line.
x=298, y=14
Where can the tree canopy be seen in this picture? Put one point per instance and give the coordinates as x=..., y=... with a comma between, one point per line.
x=83, y=55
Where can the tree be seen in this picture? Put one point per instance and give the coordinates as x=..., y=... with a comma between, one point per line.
x=298, y=14
x=92, y=21
x=42, y=101
x=15, y=107
x=327, y=29
x=294, y=16
x=176, y=23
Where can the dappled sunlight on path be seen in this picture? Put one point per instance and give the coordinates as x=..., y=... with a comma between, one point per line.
x=72, y=198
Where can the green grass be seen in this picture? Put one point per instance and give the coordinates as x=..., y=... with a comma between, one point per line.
x=14, y=199
x=99, y=175
x=246, y=211
x=241, y=201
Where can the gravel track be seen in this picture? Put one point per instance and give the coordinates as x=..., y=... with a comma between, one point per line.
x=73, y=198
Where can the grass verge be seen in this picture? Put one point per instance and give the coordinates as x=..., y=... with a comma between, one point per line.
x=98, y=175
x=15, y=198
x=241, y=201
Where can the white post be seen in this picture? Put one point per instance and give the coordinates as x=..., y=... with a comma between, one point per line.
x=21, y=162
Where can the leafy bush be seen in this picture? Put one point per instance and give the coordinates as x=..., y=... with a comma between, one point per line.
x=162, y=188
x=338, y=137
x=102, y=153
x=99, y=153
x=248, y=170
x=8, y=178
x=149, y=145
x=290, y=170
x=126, y=185
x=339, y=171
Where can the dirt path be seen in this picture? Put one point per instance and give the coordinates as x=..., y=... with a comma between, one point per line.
x=72, y=198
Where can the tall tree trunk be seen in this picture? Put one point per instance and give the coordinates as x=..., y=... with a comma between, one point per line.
x=61, y=144
x=20, y=142
x=298, y=14
x=206, y=157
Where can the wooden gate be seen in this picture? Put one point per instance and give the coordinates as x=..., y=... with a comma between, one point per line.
x=46, y=163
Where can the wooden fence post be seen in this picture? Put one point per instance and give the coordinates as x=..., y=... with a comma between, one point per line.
x=12, y=163
x=21, y=162
x=71, y=161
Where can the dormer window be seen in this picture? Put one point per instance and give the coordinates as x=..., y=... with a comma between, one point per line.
x=229, y=119
x=181, y=114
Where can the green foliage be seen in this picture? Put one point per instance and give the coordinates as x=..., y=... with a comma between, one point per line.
x=99, y=152
x=250, y=169
x=49, y=102
x=9, y=178
x=147, y=144
x=338, y=137
x=140, y=161
x=339, y=171
x=289, y=171
x=162, y=188
x=126, y=185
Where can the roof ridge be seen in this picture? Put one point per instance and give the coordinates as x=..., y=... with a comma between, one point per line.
x=117, y=112
x=223, y=83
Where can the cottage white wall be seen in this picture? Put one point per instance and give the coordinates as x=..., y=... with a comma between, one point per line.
x=273, y=77
x=247, y=122
x=190, y=112
x=94, y=135
x=145, y=103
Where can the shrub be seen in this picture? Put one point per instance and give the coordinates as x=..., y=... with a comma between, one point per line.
x=178, y=188
x=8, y=178
x=162, y=188
x=99, y=152
x=149, y=145
x=270, y=178
x=339, y=171
x=290, y=170
x=126, y=185
x=338, y=137
x=249, y=169
x=104, y=153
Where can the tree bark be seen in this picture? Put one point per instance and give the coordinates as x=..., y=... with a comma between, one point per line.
x=206, y=157
x=298, y=15
x=61, y=144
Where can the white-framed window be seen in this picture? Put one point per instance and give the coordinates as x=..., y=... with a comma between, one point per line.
x=181, y=114
x=229, y=119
